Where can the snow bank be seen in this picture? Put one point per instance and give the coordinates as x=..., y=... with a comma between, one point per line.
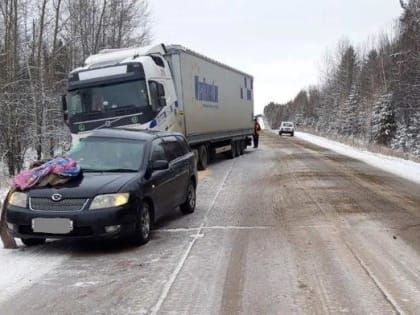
x=22, y=267
x=407, y=169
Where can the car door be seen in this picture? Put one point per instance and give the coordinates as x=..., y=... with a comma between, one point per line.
x=161, y=181
x=179, y=165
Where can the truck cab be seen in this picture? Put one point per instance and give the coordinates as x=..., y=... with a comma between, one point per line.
x=122, y=87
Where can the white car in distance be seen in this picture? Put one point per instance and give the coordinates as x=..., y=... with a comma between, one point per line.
x=287, y=127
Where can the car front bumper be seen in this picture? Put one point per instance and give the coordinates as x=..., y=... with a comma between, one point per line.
x=286, y=131
x=85, y=223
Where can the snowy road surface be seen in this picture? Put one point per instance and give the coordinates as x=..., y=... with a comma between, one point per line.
x=290, y=228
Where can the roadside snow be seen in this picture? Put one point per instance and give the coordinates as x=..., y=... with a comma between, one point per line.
x=23, y=267
x=400, y=167
x=19, y=268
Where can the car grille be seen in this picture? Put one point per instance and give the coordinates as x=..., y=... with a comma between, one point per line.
x=46, y=204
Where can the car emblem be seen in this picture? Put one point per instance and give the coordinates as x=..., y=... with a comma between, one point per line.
x=56, y=197
x=108, y=123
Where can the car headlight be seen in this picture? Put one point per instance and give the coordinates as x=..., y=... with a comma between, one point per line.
x=18, y=199
x=109, y=201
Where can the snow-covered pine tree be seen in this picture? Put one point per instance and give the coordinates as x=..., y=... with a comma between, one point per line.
x=383, y=120
x=350, y=110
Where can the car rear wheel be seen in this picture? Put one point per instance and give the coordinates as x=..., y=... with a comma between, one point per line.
x=189, y=205
x=33, y=241
x=144, y=224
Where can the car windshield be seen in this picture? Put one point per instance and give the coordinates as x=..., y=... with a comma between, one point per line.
x=287, y=125
x=132, y=94
x=96, y=154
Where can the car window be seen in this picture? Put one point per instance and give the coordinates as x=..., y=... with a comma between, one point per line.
x=158, y=151
x=108, y=154
x=173, y=148
x=184, y=145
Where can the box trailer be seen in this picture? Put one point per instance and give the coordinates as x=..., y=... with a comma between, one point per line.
x=166, y=88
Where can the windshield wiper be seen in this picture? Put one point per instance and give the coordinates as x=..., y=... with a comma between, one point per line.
x=91, y=170
x=120, y=170
x=110, y=170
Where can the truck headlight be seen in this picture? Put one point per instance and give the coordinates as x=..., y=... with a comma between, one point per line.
x=109, y=201
x=18, y=199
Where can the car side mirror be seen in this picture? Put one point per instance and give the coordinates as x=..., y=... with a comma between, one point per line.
x=160, y=165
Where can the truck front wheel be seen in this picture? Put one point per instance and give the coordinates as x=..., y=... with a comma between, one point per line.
x=203, y=158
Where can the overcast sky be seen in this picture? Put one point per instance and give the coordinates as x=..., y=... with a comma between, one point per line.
x=280, y=42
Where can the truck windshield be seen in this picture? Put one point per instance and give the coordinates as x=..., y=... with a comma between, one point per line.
x=108, y=98
x=95, y=154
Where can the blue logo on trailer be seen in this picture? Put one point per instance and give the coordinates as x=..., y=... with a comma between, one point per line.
x=205, y=91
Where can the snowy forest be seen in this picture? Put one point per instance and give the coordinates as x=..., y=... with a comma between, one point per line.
x=40, y=43
x=371, y=94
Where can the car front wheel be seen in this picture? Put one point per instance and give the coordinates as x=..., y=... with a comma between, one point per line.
x=143, y=225
x=189, y=205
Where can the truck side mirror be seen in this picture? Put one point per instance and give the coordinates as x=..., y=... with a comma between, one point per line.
x=162, y=101
x=161, y=90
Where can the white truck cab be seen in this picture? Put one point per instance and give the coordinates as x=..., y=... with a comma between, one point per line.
x=122, y=87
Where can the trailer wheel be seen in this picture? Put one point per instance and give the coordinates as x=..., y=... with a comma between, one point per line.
x=244, y=144
x=195, y=151
x=241, y=148
x=203, y=158
x=233, y=152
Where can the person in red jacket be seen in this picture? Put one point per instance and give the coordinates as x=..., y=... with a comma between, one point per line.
x=256, y=135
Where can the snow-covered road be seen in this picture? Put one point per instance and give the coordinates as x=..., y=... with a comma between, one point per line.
x=288, y=228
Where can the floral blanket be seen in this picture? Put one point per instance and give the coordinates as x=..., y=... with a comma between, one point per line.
x=54, y=171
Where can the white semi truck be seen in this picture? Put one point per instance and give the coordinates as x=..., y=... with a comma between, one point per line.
x=165, y=88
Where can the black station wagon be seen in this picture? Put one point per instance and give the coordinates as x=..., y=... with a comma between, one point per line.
x=129, y=180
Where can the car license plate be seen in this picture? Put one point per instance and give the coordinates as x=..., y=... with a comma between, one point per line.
x=52, y=225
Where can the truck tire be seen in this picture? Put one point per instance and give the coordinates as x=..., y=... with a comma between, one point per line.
x=195, y=151
x=238, y=148
x=241, y=147
x=203, y=158
x=232, y=153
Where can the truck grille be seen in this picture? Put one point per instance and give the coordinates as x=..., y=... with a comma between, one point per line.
x=46, y=204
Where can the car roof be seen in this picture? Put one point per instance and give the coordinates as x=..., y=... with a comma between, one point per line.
x=134, y=134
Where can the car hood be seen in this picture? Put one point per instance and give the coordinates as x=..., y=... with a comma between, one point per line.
x=87, y=186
